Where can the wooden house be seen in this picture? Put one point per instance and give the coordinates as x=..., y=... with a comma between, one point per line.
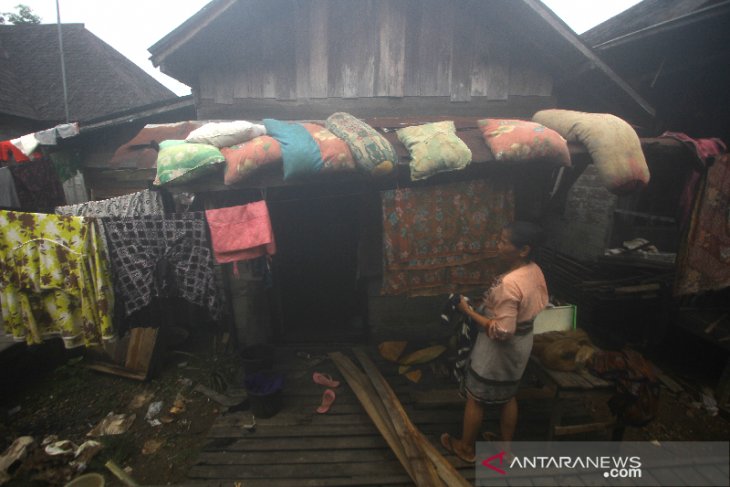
x=392, y=64
x=675, y=54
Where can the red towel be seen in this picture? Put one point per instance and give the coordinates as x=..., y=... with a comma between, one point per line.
x=241, y=232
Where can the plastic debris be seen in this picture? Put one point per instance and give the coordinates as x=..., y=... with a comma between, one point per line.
x=113, y=424
x=152, y=411
x=151, y=446
x=15, y=453
x=141, y=399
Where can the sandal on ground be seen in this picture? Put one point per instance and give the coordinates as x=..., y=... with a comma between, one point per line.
x=325, y=380
x=328, y=397
x=449, y=447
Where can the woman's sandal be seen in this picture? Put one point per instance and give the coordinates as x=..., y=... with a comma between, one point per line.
x=325, y=380
x=449, y=447
x=328, y=397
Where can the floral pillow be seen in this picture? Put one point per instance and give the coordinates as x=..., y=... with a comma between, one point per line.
x=180, y=162
x=434, y=148
x=373, y=153
x=244, y=160
x=336, y=153
x=520, y=140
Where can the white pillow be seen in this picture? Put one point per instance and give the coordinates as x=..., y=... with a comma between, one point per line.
x=225, y=134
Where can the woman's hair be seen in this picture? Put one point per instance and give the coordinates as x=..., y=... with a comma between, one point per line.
x=526, y=233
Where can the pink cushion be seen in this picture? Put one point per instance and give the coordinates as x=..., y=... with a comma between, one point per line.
x=520, y=140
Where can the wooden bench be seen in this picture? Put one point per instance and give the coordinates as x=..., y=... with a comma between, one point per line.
x=582, y=382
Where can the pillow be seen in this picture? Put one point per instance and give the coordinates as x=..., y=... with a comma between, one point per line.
x=520, y=140
x=141, y=152
x=372, y=152
x=613, y=144
x=434, y=148
x=244, y=160
x=298, y=149
x=225, y=134
x=179, y=161
x=336, y=155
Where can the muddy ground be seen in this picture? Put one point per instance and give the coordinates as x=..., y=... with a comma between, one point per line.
x=67, y=400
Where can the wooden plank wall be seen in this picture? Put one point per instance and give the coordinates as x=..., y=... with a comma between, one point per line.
x=374, y=48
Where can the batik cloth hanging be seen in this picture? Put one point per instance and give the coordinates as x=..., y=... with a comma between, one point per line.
x=54, y=279
x=130, y=205
x=162, y=256
x=443, y=239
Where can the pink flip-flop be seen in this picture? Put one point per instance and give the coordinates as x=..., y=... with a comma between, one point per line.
x=324, y=380
x=327, y=399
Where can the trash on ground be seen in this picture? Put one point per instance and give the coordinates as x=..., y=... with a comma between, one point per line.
x=113, y=424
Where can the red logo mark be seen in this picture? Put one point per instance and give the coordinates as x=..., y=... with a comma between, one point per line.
x=487, y=462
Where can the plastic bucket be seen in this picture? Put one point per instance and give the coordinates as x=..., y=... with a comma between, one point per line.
x=264, y=393
x=256, y=358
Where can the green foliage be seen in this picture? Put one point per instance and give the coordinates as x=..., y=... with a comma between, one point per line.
x=23, y=15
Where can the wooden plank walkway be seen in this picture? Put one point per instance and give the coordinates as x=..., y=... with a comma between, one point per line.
x=299, y=447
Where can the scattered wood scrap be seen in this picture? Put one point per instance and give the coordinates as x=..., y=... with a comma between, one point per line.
x=423, y=462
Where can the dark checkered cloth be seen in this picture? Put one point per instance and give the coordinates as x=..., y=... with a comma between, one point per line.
x=162, y=256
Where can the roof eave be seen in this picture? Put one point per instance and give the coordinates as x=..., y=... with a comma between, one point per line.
x=173, y=41
x=621, y=87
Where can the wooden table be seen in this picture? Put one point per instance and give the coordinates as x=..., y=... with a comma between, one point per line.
x=582, y=382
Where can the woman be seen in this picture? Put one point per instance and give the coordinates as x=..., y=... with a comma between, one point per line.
x=500, y=354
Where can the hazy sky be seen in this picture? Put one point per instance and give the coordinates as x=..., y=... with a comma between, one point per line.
x=132, y=26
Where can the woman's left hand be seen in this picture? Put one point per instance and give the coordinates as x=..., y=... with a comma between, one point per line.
x=463, y=305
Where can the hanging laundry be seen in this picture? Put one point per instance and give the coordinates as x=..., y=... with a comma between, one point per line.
x=38, y=186
x=8, y=195
x=10, y=153
x=442, y=239
x=162, y=256
x=62, y=131
x=241, y=232
x=703, y=261
x=54, y=280
x=130, y=205
x=706, y=150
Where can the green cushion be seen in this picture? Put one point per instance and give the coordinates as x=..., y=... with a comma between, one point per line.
x=434, y=148
x=179, y=161
x=373, y=153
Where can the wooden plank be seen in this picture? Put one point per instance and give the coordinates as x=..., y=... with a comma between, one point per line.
x=435, y=42
x=116, y=370
x=141, y=349
x=314, y=454
x=389, y=80
x=443, y=468
x=424, y=470
x=583, y=428
x=318, y=48
x=303, y=34
x=285, y=52
x=375, y=409
x=412, y=47
x=462, y=54
x=255, y=443
x=295, y=471
x=323, y=482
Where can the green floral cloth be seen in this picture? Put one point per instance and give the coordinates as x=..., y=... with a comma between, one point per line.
x=434, y=148
x=54, y=279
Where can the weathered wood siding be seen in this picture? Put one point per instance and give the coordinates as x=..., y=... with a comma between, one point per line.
x=319, y=50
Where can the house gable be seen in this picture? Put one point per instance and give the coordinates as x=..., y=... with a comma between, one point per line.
x=289, y=59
